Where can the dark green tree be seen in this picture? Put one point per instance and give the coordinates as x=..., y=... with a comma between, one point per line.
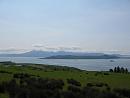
x=110, y=70
x=122, y=70
x=118, y=69
x=115, y=69
x=126, y=70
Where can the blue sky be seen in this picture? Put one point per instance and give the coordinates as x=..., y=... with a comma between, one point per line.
x=86, y=25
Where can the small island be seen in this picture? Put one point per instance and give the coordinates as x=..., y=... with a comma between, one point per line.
x=82, y=57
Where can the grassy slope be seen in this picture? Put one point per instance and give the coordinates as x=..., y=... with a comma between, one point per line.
x=114, y=80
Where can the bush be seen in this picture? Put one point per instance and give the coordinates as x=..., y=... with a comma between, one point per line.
x=74, y=88
x=106, y=73
x=123, y=92
x=89, y=92
x=2, y=71
x=73, y=82
x=90, y=85
x=21, y=75
x=99, y=84
x=36, y=87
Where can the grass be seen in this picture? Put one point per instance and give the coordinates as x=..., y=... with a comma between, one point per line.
x=114, y=80
x=4, y=95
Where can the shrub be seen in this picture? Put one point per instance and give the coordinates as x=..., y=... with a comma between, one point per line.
x=99, y=84
x=106, y=73
x=73, y=88
x=73, y=82
x=90, y=85
x=123, y=92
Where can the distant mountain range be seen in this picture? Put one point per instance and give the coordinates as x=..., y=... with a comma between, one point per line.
x=61, y=54
x=82, y=57
x=35, y=53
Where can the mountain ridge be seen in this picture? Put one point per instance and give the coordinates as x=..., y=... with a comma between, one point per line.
x=44, y=54
x=35, y=53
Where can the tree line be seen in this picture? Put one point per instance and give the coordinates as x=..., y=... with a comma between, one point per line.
x=119, y=70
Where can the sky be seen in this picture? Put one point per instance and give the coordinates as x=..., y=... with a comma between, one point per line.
x=74, y=25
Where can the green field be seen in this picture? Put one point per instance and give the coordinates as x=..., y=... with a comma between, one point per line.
x=114, y=80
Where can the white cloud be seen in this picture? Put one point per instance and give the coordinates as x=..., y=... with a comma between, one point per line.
x=60, y=48
x=12, y=50
x=69, y=48
x=38, y=45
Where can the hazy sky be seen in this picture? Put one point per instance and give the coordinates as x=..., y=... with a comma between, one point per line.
x=91, y=25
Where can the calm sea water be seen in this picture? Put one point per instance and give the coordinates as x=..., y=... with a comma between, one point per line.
x=85, y=64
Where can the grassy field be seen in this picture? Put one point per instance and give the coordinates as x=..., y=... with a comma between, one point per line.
x=114, y=80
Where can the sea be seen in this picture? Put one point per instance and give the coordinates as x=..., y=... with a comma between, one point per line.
x=84, y=64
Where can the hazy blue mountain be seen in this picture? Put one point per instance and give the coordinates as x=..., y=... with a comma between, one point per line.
x=29, y=54
x=35, y=53
x=44, y=54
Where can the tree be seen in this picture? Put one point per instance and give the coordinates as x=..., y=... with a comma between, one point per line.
x=110, y=70
x=115, y=69
x=118, y=69
x=122, y=70
x=126, y=70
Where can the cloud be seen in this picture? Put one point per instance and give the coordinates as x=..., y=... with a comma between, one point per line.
x=63, y=48
x=70, y=48
x=60, y=48
x=50, y=48
x=12, y=50
x=38, y=45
